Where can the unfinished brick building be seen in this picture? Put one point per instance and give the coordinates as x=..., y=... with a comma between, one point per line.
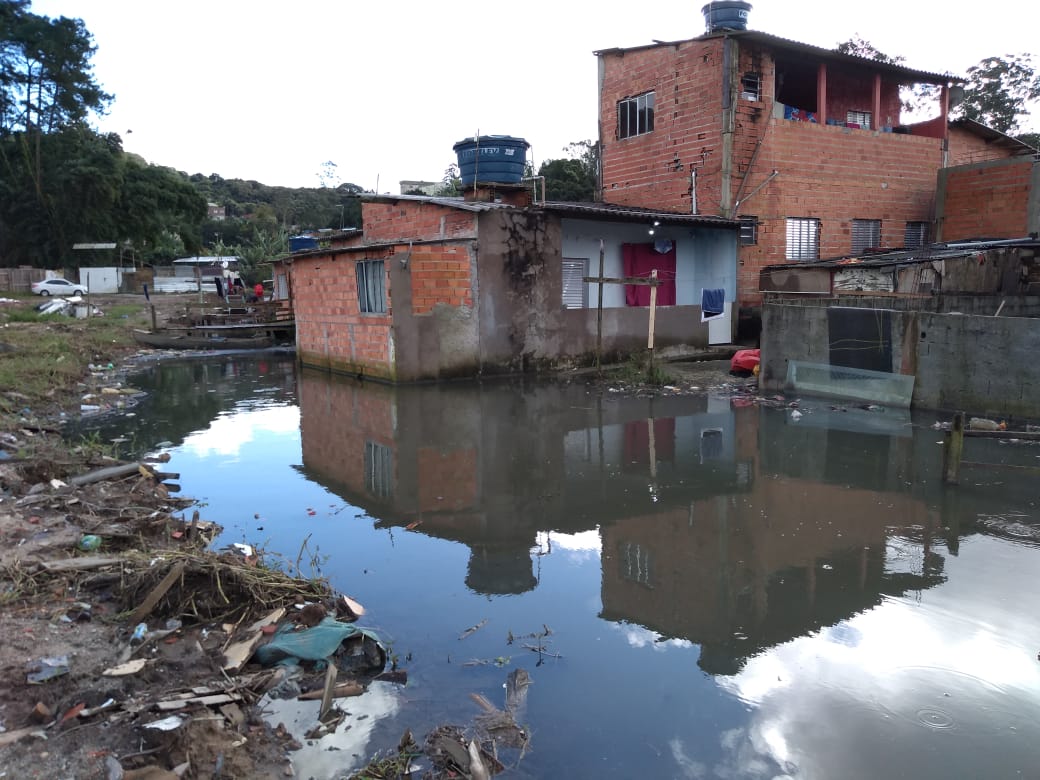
x=806, y=146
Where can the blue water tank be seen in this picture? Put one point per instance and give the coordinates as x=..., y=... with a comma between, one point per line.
x=492, y=158
x=726, y=15
x=302, y=243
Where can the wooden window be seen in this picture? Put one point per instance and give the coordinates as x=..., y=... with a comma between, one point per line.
x=371, y=286
x=575, y=289
x=751, y=86
x=636, y=115
x=866, y=234
x=803, y=238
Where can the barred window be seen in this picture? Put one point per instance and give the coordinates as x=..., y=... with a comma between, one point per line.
x=379, y=469
x=866, y=234
x=751, y=86
x=575, y=290
x=636, y=115
x=803, y=238
x=916, y=235
x=371, y=286
x=861, y=118
x=748, y=230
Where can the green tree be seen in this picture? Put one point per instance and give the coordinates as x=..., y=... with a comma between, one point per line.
x=575, y=177
x=856, y=46
x=998, y=90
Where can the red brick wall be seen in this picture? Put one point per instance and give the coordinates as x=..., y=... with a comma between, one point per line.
x=331, y=331
x=988, y=200
x=447, y=480
x=440, y=275
x=415, y=221
x=966, y=147
x=835, y=175
x=653, y=170
x=848, y=91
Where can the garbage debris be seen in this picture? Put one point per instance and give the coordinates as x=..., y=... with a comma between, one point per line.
x=321, y=642
x=44, y=669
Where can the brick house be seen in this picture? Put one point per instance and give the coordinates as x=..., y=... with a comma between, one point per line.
x=435, y=288
x=805, y=146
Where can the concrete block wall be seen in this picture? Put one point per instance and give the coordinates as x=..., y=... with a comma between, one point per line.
x=980, y=365
x=994, y=199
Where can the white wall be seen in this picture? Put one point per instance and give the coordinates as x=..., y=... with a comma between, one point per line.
x=704, y=257
x=101, y=280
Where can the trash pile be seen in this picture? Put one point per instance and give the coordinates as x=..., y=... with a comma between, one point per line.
x=73, y=306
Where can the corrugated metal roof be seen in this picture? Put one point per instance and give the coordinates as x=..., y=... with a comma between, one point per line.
x=613, y=211
x=901, y=73
x=997, y=138
x=925, y=254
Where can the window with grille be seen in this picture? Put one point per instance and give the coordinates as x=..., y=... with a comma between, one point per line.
x=371, y=286
x=915, y=235
x=379, y=470
x=635, y=562
x=751, y=86
x=861, y=118
x=803, y=238
x=636, y=115
x=748, y=230
x=866, y=234
x=575, y=290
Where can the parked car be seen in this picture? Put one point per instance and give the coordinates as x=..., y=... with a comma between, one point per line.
x=58, y=286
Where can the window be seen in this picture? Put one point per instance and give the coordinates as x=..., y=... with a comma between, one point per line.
x=751, y=86
x=916, y=235
x=635, y=563
x=575, y=290
x=748, y=230
x=379, y=470
x=371, y=287
x=803, y=238
x=636, y=115
x=861, y=118
x=866, y=234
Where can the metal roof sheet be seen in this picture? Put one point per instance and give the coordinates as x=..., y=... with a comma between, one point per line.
x=925, y=254
x=613, y=211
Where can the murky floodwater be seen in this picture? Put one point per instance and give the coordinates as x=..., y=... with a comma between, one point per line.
x=732, y=592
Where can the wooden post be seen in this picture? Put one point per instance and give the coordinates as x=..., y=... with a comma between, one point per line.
x=599, y=313
x=154, y=327
x=953, y=451
x=653, y=316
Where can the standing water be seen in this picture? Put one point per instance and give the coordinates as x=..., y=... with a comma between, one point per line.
x=697, y=588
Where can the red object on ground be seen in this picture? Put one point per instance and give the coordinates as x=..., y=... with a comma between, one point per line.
x=745, y=360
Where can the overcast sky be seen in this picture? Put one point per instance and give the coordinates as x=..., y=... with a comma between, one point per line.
x=267, y=91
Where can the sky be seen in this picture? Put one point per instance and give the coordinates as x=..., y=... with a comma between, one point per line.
x=384, y=90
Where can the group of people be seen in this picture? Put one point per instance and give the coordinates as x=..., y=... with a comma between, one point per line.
x=233, y=285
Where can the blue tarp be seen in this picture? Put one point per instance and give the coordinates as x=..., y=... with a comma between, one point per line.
x=311, y=644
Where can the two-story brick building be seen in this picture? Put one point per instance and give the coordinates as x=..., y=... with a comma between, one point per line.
x=805, y=145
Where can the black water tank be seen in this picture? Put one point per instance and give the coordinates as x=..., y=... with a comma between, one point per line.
x=726, y=15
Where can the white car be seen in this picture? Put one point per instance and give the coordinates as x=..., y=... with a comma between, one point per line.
x=58, y=287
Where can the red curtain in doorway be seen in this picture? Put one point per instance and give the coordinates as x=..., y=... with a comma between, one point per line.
x=640, y=260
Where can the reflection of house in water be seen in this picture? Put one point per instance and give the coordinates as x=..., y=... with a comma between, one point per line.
x=492, y=467
x=805, y=548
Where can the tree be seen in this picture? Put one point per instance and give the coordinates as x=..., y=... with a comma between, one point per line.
x=857, y=47
x=574, y=178
x=998, y=90
x=1033, y=139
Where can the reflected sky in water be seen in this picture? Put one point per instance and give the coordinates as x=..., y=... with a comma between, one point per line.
x=734, y=592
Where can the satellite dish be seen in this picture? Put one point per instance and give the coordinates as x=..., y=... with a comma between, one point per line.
x=956, y=95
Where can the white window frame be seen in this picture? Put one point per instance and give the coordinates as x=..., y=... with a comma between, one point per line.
x=371, y=286
x=637, y=111
x=803, y=238
x=575, y=293
x=751, y=86
x=866, y=234
x=379, y=469
x=862, y=118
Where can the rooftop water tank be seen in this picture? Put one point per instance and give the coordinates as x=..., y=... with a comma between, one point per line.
x=726, y=15
x=492, y=159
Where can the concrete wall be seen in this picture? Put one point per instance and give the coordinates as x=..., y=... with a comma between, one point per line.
x=995, y=199
x=978, y=364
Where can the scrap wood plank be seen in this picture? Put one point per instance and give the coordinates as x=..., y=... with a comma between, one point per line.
x=10, y=737
x=341, y=691
x=145, y=607
x=326, y=695
x=86, y=562
x=205, y=701
x=131, y=667
x=238, y=653
x=109, y=472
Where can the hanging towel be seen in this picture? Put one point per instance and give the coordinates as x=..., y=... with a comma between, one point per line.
x=713, y=302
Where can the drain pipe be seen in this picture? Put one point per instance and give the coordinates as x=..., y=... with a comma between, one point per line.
x=693, y=190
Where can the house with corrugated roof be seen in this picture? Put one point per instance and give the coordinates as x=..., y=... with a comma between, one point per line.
x=500, y=282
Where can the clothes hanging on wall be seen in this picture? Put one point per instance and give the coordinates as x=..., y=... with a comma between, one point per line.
x=639, y=260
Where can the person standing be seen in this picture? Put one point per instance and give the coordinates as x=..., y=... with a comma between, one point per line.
x=258, y=291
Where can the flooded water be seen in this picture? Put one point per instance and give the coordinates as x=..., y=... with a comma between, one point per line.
x=731, y=592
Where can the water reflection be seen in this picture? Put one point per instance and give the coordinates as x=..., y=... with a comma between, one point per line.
x=735, y=592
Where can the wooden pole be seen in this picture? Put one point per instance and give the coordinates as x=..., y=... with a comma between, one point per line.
x=599, y=313
x=953, y=451
x=653, y=316
x=154, y=327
